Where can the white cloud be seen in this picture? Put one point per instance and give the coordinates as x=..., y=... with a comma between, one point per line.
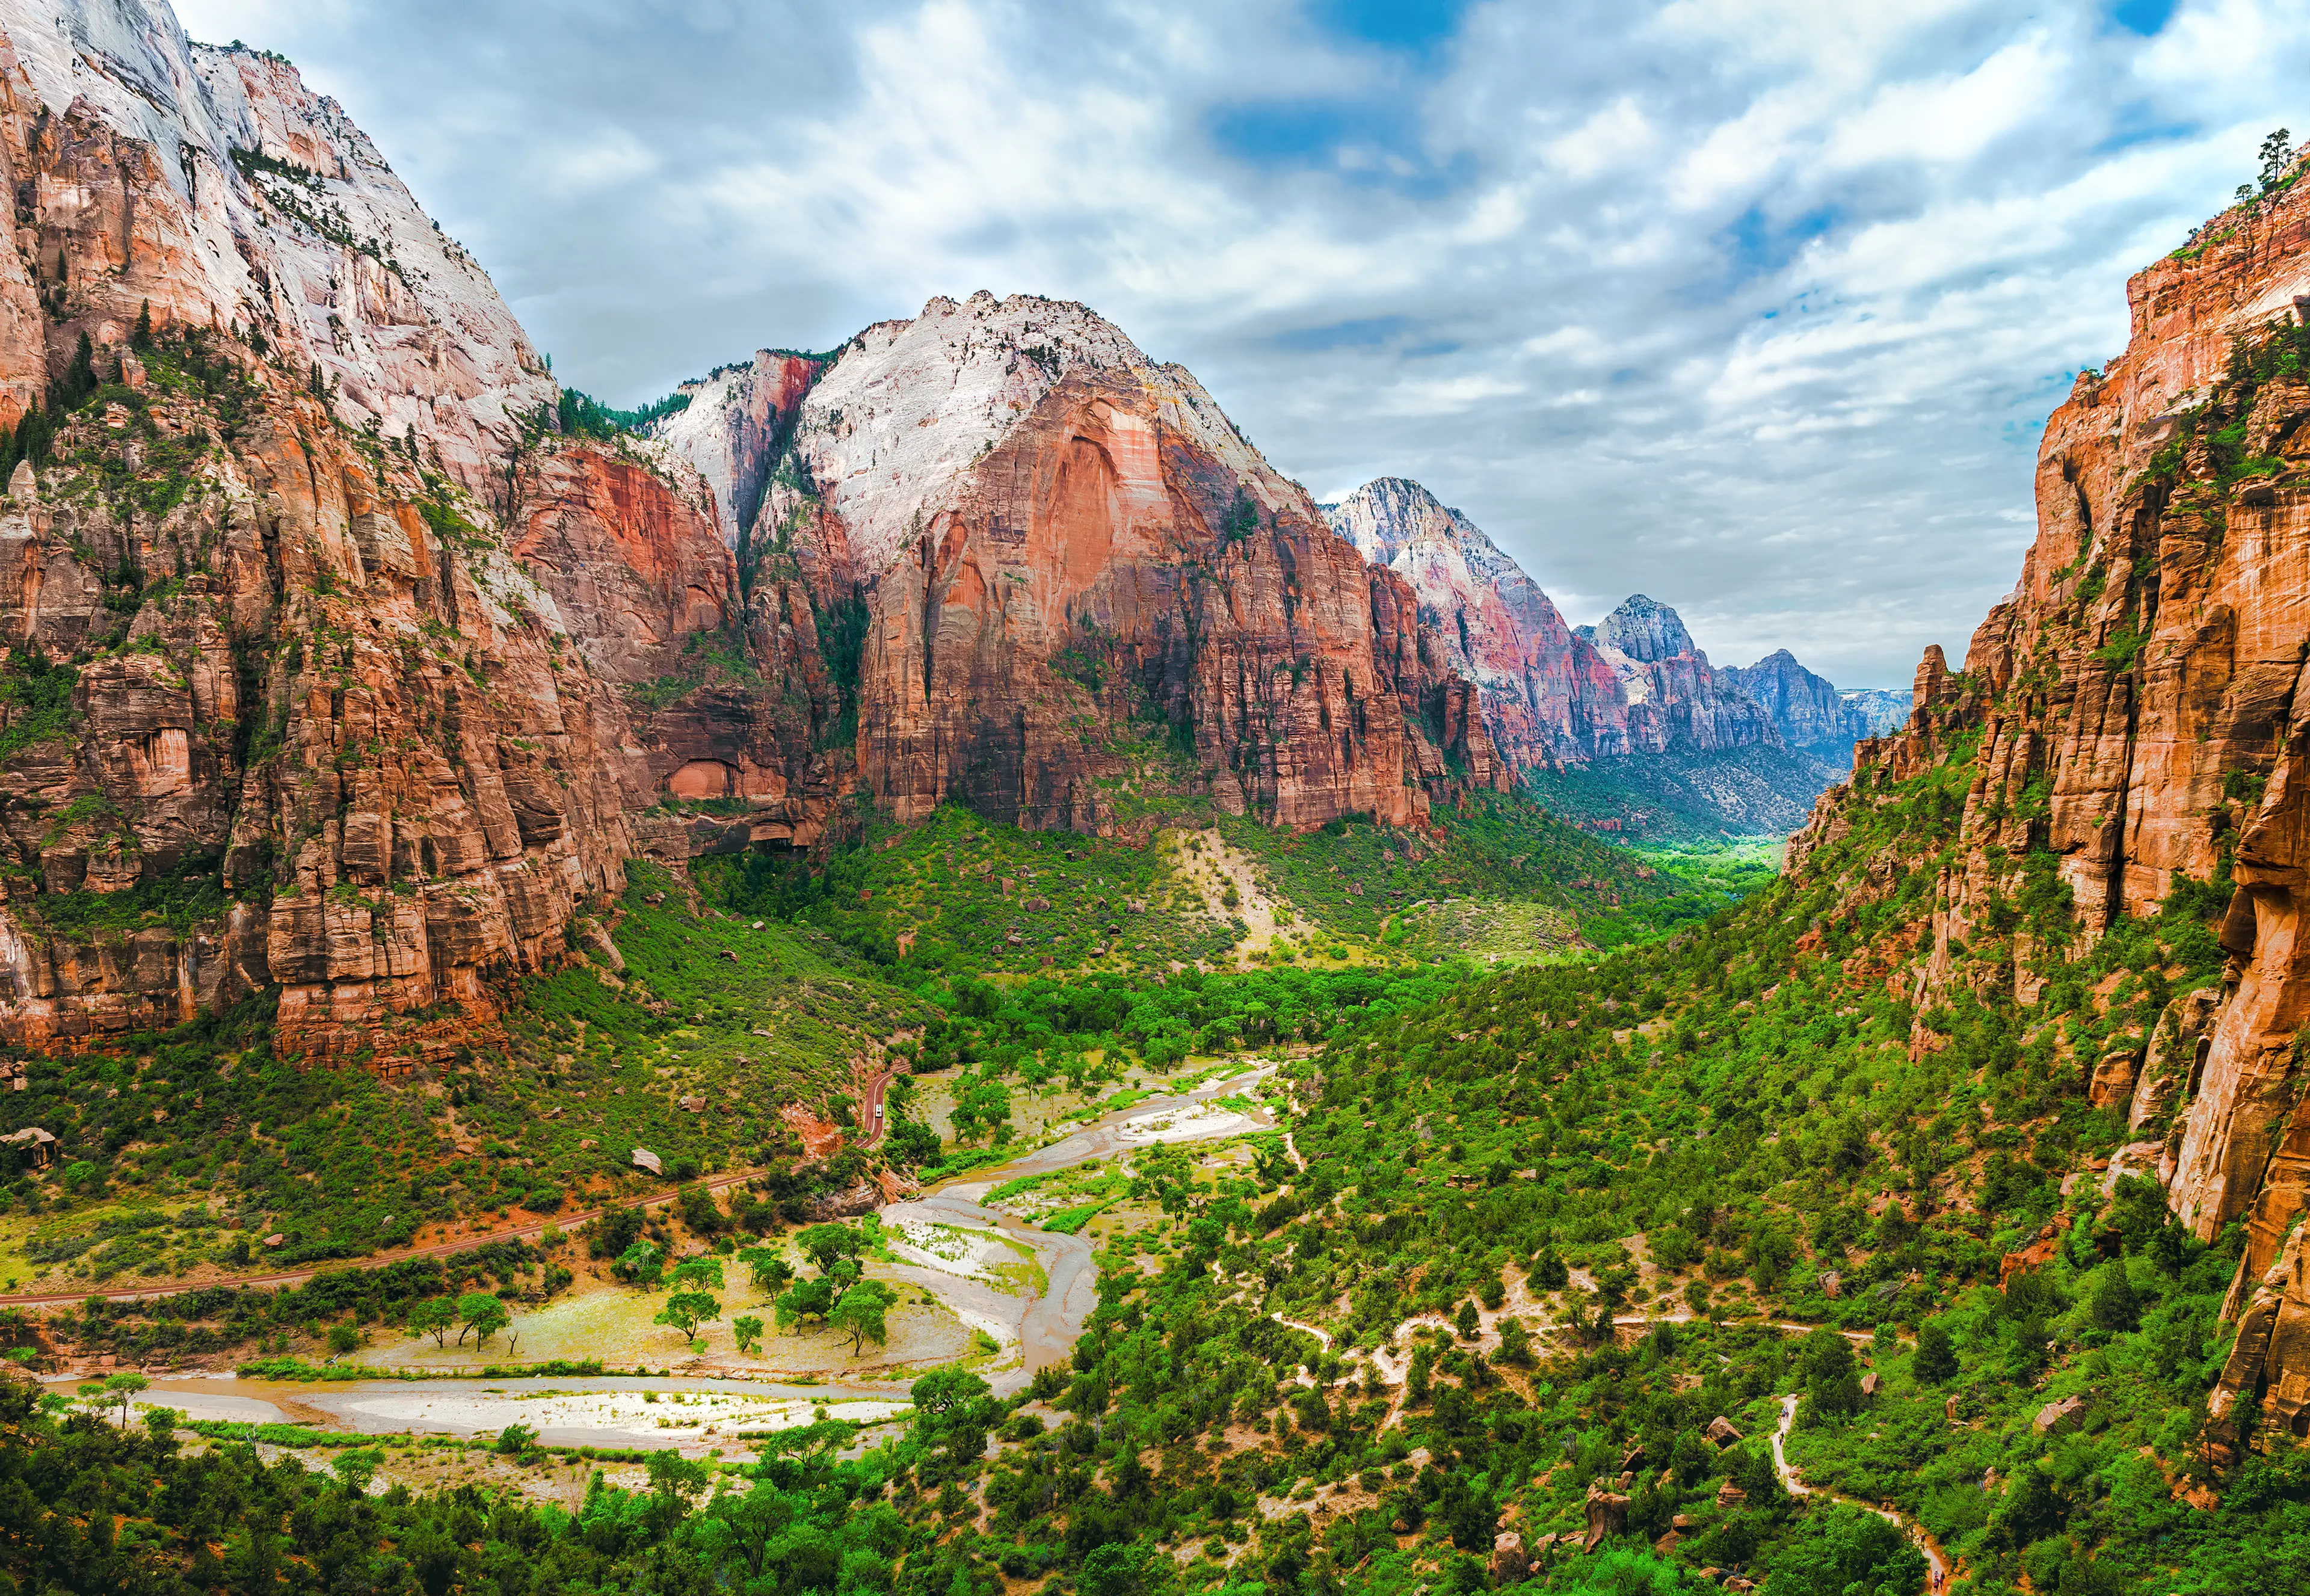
x=1777, y=290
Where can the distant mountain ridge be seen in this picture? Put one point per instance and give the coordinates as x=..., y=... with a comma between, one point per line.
x=1609, y=703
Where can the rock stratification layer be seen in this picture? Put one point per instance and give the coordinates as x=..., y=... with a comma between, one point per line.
x=337, y=675
x=1068, y=567
x=329, y=667
x=2141, y=715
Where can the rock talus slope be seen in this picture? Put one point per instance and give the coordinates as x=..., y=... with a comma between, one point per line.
x=2137, y=708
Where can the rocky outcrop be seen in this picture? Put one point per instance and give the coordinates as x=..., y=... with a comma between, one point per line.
x=1545, y=694
x=213, y=184
x=1676, y=700
x=2141, y=715
x=1077, y=587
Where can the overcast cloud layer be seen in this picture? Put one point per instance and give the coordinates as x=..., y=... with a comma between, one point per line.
x=1755, y=307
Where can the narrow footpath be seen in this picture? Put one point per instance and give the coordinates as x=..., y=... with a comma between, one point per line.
x=1937, y=1563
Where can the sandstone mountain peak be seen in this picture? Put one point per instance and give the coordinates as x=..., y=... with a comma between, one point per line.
x=1646, y=630
x=890, y=432
x=270, y=211
x=1807, y=709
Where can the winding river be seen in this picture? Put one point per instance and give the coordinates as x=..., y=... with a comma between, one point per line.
x=623, y=1410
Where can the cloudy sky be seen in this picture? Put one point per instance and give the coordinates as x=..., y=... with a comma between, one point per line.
x=1755, y=306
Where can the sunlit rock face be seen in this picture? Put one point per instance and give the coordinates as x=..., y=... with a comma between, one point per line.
x=2140, y=710
x=1045, y=531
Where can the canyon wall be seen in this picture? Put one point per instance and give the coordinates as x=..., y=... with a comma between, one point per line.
x=1080, y=589
x=2136, y=710
x=336, y=675
x=1633, y=687
x=1676, y=700
x=327, y=668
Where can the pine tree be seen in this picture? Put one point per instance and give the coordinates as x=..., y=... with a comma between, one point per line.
x=1936, y=1359
x=80, y=376
x=142, y=338
x=2114, y=1308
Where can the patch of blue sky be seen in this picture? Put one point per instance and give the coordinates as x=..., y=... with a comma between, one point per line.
x=1376, y=332
x=2145, y=17
x=1419, y=26
x=1362, y=143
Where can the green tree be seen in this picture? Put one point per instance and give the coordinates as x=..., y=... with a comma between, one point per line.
x=910, y=1144
x=860, y=1314
x=435, y=1317
x=1936, y=1359
x=747, y=1328
x=686, y=1310
x=804, y=1299
x=701, y=1273
x=1835, y=1550
x=825, y=1245
x=641, y=1264
x=483, y=1314
x=954, y=1410
x=121, y=1389
x=356, y=1466
x=981, y=1110
x=2114, y=1308
x=1832, y=1377
x=769, y=1268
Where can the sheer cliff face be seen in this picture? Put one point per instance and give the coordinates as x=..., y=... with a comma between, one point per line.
x=1066, y=558
x=1676, y=700
x=364, y=733
x=1553, y=695
x=734, y=427
x=1546, y=695
x=332, y=671
x=214, y=185
x=2141, y=710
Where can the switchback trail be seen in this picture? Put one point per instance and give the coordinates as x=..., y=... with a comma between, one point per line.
x=1937, y=1564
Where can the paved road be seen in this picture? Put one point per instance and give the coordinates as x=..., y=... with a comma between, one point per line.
x=870, y=1109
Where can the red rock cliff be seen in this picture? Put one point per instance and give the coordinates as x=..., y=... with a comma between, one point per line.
x=1069, y=562
x=2141, y=712
x=286, y=707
